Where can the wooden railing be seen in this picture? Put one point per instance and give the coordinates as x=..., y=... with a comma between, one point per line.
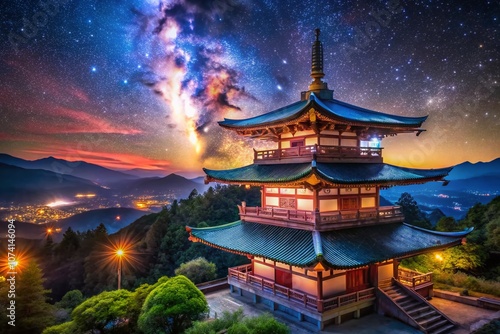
x=243, y=274
x=328, y=219
x=319, y=150
x=413, y=279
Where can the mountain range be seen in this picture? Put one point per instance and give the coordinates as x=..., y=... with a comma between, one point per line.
x=20, y=185
x=81, y=169
x=470, y=183
x=25, y=181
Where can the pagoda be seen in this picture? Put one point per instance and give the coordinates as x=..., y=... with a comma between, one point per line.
x=322, y=247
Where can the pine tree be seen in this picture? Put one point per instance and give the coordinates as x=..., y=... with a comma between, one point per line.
x=34, y=313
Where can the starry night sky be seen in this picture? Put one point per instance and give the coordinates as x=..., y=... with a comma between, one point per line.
x=143, y=83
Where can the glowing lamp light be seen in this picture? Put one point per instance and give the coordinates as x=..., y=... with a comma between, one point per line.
x=438, y=257
x=119, y=252
x=49, y=231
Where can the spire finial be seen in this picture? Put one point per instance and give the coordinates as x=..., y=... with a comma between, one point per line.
x=317, y=86
x=317, y=64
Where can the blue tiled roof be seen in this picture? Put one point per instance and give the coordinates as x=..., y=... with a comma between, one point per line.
x=340, y=249
x=331, y=108
x=338, y=173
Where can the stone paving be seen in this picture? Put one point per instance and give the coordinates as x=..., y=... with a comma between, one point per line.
x=468, y=317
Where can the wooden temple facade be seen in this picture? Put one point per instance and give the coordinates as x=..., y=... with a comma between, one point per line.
x=322, y=248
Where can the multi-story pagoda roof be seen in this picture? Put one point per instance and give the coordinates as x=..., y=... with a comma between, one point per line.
x=322, y=114
x=336, y=174
x=340, y=249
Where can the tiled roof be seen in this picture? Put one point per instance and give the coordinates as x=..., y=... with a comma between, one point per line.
x=340, y=249
x=272, y=242
x=337, y=173
x=334, y=109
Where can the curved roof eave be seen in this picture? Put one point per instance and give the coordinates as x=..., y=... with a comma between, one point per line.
x=447, y=234
x=333, y=109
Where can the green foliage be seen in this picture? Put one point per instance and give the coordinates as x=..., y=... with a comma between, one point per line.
x=410, y=210
x=493, y=234
x=69, y=244
x=471, y=283
x=447, y=224
x=235, y=323
x=198, y=270
x=172, y=306
x=33, y=311
x=105, y=312
x=65, y=328
x=468, y=257
x=137, y=300
x=70, y=300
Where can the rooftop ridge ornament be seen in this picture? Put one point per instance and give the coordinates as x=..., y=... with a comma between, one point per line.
x=317, y=85
x=317, y=60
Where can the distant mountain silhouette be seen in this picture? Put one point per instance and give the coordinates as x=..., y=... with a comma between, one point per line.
x=22, y=185
x=434, y=216
x=143, y=173
x=113, y=218
x=199, y=180
x=81, y=169
x=25, y=230
x=172, y=183
x=467, y=169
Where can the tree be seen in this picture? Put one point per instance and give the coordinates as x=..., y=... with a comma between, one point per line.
x=34, y=313
x=137, y=300
x=493, y=234
x=69, y=244
x=172, y=306
x=466, y=257
x=70, y=300
x=447, y=224
x=198, y=270
x=104, y=313
x=64, y=328
x=409, y=208
x=411, y=212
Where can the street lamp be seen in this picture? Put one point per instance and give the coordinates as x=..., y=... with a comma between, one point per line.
x=119, y=253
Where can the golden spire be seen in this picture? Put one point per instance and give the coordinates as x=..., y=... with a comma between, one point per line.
x=317, y=64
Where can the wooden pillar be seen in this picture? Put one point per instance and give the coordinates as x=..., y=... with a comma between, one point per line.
x=319, y=284
x=262, y=196
x=374, y=274
x=279, y=147
x=395, y=266
x=315, y=199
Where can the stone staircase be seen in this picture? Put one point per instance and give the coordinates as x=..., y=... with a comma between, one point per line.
x=414, y=309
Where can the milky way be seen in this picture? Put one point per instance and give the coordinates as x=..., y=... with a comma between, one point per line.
x=143, y=83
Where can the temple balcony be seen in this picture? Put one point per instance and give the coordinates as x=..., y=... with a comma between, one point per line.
x=323, y=153
x=419, y=282
x=320, y=221
x=243, y=277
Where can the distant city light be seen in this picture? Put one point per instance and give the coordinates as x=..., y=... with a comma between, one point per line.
x=59, y=203
x=85, y=195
